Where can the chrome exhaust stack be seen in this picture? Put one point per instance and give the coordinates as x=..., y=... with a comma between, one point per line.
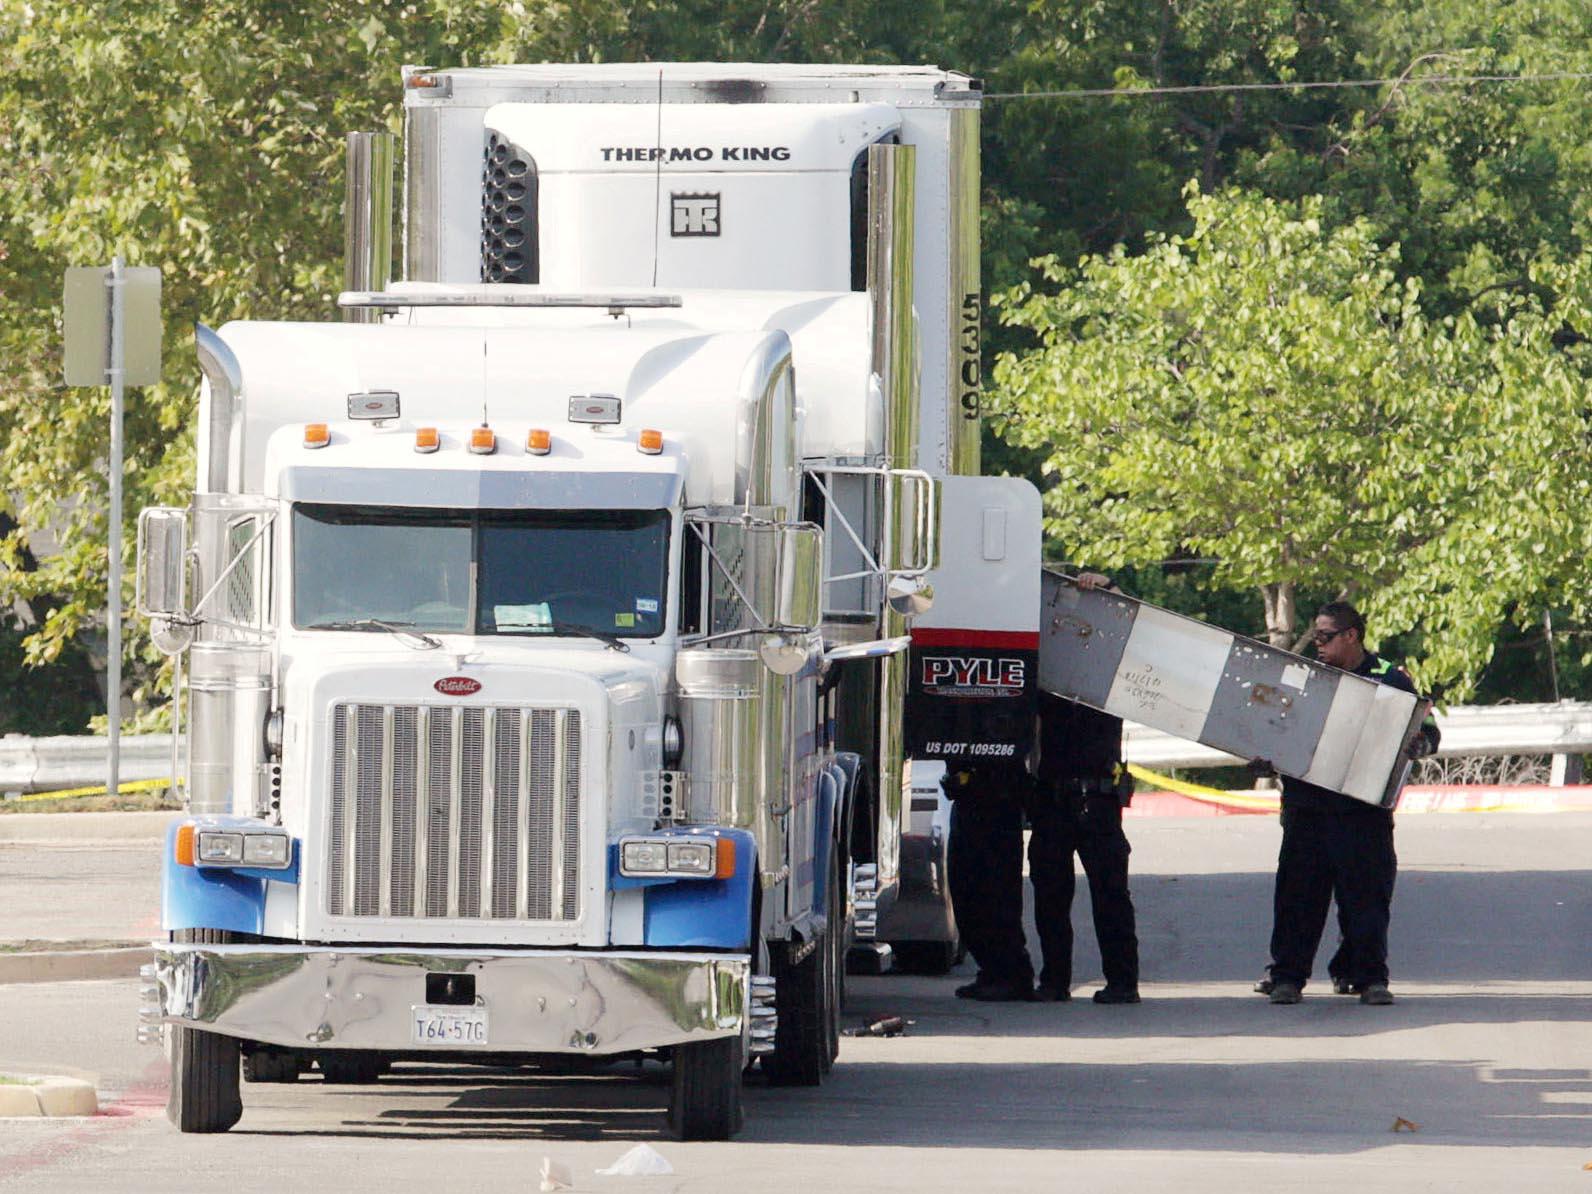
x=367, y=219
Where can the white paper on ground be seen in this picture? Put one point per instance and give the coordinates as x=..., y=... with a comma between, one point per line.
x=555, y=1176
x=641, y=1161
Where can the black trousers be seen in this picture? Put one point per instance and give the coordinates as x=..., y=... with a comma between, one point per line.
x=1061, y=827
x=986, y=880
x=1347, y=856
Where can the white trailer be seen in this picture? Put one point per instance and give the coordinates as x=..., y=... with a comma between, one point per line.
x=547, y=622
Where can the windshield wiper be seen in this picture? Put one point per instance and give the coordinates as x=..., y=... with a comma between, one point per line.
x=613, y=641
x=402, y=629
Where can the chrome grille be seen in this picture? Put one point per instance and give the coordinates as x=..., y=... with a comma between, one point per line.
x=454, y=812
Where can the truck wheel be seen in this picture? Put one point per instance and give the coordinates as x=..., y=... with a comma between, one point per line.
x=803, y=994
x=834, y=953
x=265, y=1063
x=352, y=1067
x=926, y=957
x=706, y=1101
x=204, y=1065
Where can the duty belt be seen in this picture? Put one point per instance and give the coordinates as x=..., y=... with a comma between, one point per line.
x=1093, y=786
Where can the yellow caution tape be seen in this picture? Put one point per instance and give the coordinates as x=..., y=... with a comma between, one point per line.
x=137, y=785
x=1245, y=800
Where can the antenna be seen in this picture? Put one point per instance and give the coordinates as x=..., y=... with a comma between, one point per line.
x=657, y=179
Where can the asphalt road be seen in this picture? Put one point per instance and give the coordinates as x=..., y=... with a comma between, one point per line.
x=1203, y=1087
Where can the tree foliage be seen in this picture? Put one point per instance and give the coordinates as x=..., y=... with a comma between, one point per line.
x=1267, y=393
x=207, y=138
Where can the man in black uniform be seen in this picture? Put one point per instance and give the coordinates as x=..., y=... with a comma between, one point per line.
x=985, y=860
x=1337, y=847
x=1076, y=807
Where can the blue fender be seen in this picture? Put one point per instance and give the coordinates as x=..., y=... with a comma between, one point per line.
x=829, y=789
x=231, y=898
x=703, y=913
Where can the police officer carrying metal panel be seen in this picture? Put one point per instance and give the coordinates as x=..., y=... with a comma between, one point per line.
x=1337, y=847
x=1076, y=807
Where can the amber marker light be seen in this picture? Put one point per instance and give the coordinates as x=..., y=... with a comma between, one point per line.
x=182, y=847
x=316, y=435
x=539, y=441
x=427, y=439
x=724, y=866
x=650, y=442
x=483, y=441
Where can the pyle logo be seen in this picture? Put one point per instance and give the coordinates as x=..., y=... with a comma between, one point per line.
x=457, y=686
x=693, y=214
x=955, y=671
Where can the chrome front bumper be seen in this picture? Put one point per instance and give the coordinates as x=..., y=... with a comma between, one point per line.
x=564, y=1002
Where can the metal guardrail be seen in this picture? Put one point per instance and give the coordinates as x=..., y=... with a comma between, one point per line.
x=1561, y=730
x=49, y=764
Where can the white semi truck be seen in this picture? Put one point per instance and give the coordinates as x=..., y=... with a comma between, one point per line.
x=560, y=627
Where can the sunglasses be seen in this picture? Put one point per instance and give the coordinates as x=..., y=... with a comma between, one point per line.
x=1322, y=637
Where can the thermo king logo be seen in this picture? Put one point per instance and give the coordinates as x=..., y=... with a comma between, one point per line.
x=457, y=686
x=693, y=214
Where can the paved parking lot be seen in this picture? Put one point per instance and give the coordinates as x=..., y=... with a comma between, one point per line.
x=1203, y=1087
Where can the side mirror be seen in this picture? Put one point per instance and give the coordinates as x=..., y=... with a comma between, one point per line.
x=910, y=595
x=160, y=580
x=799, y=598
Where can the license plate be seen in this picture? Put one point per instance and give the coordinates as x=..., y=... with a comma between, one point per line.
x=431, y=1025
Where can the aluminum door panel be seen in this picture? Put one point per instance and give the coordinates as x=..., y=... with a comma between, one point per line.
x=1169, y=672
x=1082, y=637
x=1270, y=706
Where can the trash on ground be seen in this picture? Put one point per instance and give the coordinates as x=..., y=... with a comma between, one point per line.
x=884, y=1026
x=641, y=1161
x=1400, y=1124
x=555, y=1176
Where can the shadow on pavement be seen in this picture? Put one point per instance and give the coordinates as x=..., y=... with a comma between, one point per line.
x=1323, y=1107
x=1449, y=926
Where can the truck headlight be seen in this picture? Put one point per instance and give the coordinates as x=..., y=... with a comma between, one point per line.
x=266, y=850
x=682, y=857
x=643, y=858
x=223, y=848
x=691, y=858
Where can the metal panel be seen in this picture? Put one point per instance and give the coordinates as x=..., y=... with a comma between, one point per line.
x=1269, y=701
x=1314, y=722
x=458, y=812
x=1081, y=642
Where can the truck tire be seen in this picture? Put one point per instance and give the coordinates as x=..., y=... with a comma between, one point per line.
x=266, y=1063
x=706, y=1102
x=204, y=1065
x=926, y=957
x=803, y=995
x=834, y=951
x=352, y=1067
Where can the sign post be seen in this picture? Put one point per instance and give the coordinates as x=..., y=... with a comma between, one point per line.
x=111, y=320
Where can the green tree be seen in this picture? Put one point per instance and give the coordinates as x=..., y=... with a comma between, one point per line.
x=1266, y=393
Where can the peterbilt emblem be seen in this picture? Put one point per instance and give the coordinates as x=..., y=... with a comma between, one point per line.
x=457, y=686
x=693, y=214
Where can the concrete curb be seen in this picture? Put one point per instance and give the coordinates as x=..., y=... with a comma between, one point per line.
x=73, y=965
x=47, y=1094
x=45, y=828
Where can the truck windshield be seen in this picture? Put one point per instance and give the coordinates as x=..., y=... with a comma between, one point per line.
x=525, y=572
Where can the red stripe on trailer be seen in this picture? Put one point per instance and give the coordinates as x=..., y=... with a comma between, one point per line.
x=934, y=636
